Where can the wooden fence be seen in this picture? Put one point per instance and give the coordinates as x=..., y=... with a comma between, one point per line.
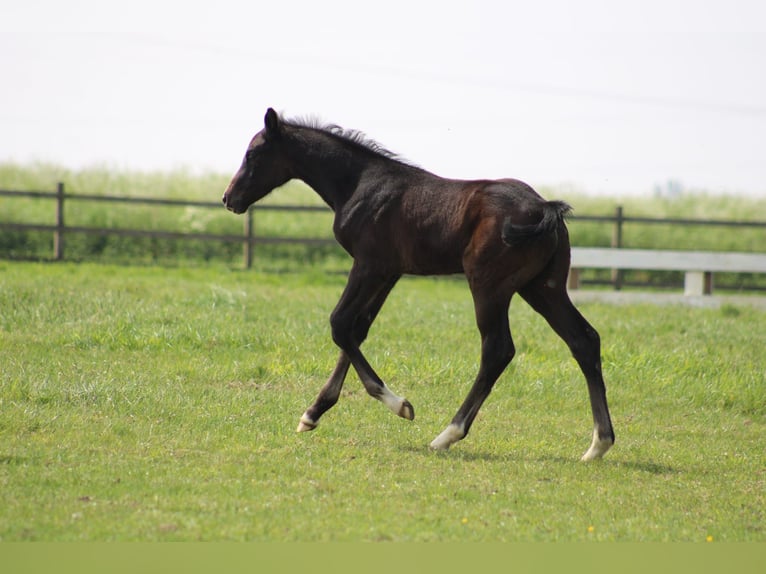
x=60, y=229
x=248, y=238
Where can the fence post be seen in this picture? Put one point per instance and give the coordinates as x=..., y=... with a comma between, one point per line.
x=58, y=235
x=617, y=274
x=248, y=245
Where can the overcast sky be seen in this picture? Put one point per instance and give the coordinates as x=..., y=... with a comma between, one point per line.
x=605, y=96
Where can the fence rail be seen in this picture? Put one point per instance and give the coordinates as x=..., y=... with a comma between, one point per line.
x=249, y=239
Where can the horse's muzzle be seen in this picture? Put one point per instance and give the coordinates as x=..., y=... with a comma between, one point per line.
x=232, y=205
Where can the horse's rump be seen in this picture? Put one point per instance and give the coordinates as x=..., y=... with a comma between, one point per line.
x=554, y=213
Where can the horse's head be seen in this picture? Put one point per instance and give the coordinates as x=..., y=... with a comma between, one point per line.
x=263, y=169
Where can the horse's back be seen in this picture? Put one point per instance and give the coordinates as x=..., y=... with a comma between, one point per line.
x=427, y=225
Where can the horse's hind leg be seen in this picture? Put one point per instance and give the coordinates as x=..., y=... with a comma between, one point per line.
x=550, y=299
x=497, y=350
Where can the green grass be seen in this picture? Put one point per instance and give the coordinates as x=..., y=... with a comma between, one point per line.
x=160, y=404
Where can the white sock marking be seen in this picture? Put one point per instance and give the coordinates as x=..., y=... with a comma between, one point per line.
x=448, y=437
x=597, y=448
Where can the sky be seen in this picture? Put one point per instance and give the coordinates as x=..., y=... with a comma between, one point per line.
x=603, y=97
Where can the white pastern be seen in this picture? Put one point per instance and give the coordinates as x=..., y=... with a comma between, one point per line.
x=306, y=424
x=448, y=437
x=597, y=448
x=398, y=405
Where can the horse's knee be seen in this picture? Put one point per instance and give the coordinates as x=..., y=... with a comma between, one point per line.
x=497, y=353
x=348, y=330
x=341, y=329
x=361, y=329
x=507, y=351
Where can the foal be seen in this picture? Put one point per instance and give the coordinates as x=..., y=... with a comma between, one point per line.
x=394, y=218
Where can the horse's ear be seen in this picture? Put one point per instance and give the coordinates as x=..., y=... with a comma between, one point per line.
x=272, y=122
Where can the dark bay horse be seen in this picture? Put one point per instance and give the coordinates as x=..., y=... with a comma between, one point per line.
x=394, y=218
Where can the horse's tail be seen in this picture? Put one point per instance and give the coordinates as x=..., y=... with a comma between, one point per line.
x=554, y=213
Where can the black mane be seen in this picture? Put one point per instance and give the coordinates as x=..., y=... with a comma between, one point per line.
x=356, y=137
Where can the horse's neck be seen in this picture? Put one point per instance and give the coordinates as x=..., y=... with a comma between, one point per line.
x=333, y=176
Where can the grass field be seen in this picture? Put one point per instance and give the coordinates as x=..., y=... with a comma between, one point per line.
x=156, y=404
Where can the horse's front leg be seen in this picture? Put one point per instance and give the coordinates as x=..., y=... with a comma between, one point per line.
x=351, y=320
x=360, y=303
x=377, y=389
x=328, y=396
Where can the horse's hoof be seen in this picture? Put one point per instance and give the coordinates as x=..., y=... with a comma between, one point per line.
x=448, y=437
x=437, y=444
x=306, y=424
x=597, y=449
x=406, y=411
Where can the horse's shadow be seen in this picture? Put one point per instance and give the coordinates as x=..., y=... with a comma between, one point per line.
x=648, y=467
